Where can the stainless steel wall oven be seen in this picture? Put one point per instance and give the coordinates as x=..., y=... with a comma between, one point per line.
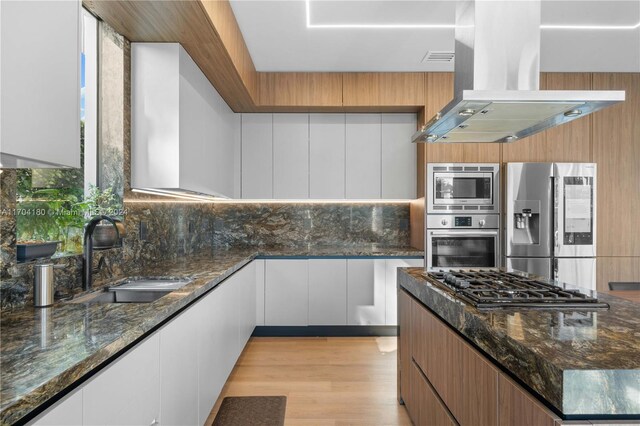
x=462, y=216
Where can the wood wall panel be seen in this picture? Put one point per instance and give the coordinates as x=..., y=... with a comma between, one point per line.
x=416, y=225
x=616, y=269
x=299, y=90
x=421, y=156
x=616, y=150
x=371, y=89
x=570, y=142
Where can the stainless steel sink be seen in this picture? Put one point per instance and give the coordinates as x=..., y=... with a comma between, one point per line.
x=142, y=290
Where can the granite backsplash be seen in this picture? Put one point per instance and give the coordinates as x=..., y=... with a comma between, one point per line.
x=158, y=230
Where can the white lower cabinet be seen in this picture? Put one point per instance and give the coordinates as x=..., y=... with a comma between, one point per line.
x=210, y=355
x=260, y=267
x=174, y=376
x=179, y=369
x=391, y=284
x=128, y=391
x=366, y=291
x=332, y=291
x=327, y=291
x=67, y=412
x=286, y=297
x=226, y=318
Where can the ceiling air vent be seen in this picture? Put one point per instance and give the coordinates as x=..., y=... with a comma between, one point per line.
x=438, y=56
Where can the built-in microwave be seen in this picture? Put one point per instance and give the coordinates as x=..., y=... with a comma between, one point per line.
x=470, y=187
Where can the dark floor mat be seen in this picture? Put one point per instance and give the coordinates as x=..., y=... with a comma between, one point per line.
x=251, y=411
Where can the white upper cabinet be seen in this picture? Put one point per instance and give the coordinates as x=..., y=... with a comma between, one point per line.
x=363, y=156
x=290, y=156
x=327, y=156
x=257, y=156
x=398, y=156
x=40, y=80
x=183, y=133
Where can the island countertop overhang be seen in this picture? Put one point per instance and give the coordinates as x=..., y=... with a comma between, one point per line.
x=584, y=364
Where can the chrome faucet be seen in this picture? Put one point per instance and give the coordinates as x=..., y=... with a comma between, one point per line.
x=87, y=260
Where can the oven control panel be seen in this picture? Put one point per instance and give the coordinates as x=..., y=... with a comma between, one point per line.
x=439, y=221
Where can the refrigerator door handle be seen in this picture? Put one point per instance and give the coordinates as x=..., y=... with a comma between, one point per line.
x=554, y=273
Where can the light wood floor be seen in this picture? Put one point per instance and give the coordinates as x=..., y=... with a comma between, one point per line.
x=327, y=381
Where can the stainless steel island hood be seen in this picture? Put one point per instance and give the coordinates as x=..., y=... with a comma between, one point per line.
x=497, y=77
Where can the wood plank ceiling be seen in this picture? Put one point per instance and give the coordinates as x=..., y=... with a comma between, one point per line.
x=209, y=32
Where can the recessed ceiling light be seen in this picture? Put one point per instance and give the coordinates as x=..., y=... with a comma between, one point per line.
x=453, y=26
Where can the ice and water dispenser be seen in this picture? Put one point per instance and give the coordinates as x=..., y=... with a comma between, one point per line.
x=526, y=222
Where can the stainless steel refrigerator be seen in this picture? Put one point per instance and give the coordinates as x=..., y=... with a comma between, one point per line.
x=551, y=221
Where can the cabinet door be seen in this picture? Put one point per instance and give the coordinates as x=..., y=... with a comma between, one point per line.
x=206, y=142
x=127, y=392
x=290, y=156
x=259, y=291
x=226, y=319
x=363, y=156
x=257, y=156
x=398, y=156
x=391, y=286
x=327, y=156
x=327, y=292
x=67, y=412
x=465, y=381
x=404, y=354
x=286, y=292
x=40, y=78
x=245, y=288
x=210, y=338
x=179, y=369
x=428, y=410
x=366, y=291
x=517, y=407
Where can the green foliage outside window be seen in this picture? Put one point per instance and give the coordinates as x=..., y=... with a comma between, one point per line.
x=52, y=205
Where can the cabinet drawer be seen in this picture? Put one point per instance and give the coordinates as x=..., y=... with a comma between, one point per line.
x=427, y=408
x=466, y=382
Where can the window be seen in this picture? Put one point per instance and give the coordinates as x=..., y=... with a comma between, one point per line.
x=53, y=204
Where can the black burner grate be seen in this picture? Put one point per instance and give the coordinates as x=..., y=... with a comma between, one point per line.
x=491, y=289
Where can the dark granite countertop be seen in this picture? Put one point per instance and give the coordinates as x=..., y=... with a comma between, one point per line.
x=583, y=363
x=46, y=351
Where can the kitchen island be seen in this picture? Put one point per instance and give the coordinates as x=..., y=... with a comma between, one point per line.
x=518, y=365
x=46, y=353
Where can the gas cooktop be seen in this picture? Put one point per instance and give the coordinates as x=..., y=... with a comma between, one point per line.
x=494, y=289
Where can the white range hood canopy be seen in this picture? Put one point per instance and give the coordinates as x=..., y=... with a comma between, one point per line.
x=497, y=77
